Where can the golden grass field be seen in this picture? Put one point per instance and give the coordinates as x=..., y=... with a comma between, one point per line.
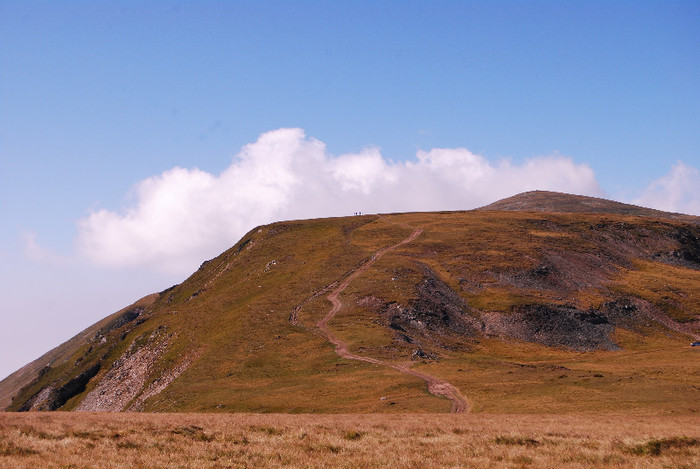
x=130, y=440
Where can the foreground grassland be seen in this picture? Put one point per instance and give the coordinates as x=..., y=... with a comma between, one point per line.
x=109, y=440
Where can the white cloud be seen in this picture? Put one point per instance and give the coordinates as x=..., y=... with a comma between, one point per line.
x=362, y=171
x=184, y=216
x=678, y=191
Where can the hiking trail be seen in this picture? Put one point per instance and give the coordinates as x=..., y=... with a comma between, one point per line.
x=436, y=386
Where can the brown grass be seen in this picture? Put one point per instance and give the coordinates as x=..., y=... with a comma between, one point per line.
x=85, y=440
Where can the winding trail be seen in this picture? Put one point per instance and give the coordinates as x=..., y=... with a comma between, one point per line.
x=436, y=387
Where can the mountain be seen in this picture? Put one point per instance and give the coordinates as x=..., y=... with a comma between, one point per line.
x=543, y=302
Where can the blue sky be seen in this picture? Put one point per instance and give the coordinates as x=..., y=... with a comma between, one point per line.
x=401, y=105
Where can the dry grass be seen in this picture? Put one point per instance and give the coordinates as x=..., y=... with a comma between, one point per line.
x=665, y=286
x=82, y=440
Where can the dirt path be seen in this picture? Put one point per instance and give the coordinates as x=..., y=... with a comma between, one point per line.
x=436, y=387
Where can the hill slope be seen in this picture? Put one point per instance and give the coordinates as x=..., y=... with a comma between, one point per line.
x=559, y=305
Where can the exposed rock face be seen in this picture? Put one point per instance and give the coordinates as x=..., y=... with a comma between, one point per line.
x=438, y=317
x=623, y=313
x=52, y=398
x=38, y=402
x=438, y=310
x=127, y=377
x=554, y=326
x=580, y=330
x=689, y=250
x=125, y=318
x=439, y=313
x=159, y=384
x=439, y=306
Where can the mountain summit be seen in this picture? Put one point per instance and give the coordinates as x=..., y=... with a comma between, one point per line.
x=557, y=202
x=540, y=302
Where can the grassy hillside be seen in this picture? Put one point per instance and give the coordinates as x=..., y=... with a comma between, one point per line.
x=523, y=311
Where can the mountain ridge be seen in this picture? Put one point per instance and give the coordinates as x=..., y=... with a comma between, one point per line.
x=498, y=292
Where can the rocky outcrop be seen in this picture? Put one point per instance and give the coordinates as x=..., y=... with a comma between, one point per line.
x=127, y=377
x=54, y=397
x=688, y=251
x=554, y=326
x=437, y=311
x=159, y=384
